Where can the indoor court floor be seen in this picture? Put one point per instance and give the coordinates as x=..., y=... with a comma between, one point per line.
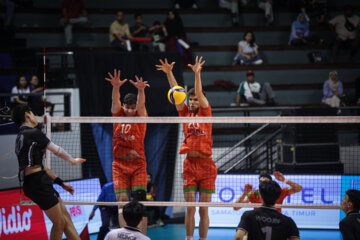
x=177, y=232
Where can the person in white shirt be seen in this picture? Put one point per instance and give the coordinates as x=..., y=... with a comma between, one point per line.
x=344, y=27
x=248, y=52
x=21, y=87
x=133, y=213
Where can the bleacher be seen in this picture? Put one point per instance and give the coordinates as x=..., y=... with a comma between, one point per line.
x=295, y=79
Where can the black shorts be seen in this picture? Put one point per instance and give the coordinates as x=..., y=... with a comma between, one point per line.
x=39, y=188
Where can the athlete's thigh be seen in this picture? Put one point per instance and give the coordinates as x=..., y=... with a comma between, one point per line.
x=190, y=196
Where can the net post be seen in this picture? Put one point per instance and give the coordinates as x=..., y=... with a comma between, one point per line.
x=48, y=135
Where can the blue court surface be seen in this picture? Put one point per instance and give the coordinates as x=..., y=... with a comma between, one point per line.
x=177, y=232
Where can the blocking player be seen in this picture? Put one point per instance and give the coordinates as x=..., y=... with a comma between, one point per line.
x=255, y=197
x=199, y=170
x=265, y=222
x=31, y=144
x=129, y=165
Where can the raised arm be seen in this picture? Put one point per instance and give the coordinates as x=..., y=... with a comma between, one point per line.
x=61, y=153
x=244, y=198
x=294, y=187
x=140, y=85
x=167, y=69
x=116, y=83
x=198, y=86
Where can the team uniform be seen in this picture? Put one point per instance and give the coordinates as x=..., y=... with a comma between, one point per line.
x=128, y=174
x=267, y=224
x=350, y=226
x=126, y=233
x=199, y=173
x=31, y=144
x=255, y=197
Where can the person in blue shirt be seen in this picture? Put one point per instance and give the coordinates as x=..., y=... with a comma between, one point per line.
x=332, y=90
x=108, y=213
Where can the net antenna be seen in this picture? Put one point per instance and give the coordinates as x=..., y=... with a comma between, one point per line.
x=47, y=123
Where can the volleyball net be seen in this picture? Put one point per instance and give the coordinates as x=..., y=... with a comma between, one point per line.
x=320, y=154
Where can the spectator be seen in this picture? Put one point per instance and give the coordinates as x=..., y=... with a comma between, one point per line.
x=108, y=213
x=133, y=213
x=157, y=33
x=120, y=35
x=153, y=212
x=176, y=37
x=71, y=10
x=20, y=88
x=36, y=102
x=350, y=225
x=233, y=6
x=266, y=223
x=254, y=93
x=300, y=34
x=344, y=28
x=185, y=4
x=266, y=5
x=139, y=30
x=332, y=90
x=248, y=52
x=357, y=91
x=254, y=197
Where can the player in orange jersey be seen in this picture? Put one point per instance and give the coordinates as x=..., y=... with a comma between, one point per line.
x=199, y=168
x=129, y=165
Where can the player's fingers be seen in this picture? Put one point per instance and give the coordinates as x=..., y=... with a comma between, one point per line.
x=118, y=74
x=196, y=59
x=137, y=78
x=107, y=79
x=111, y=76
x=172, y=64
x=115, y=74
x=200, y=59
x=202, y=63
x=161, y=61
x=166, y=61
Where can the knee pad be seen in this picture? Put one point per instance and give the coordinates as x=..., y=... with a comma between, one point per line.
x=139, y=195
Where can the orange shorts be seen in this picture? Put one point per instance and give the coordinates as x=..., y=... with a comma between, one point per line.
x=129, y=174
x=199, y=175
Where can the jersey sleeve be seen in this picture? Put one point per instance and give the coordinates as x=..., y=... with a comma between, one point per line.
x=120, y=113
x=293, y=230
x=244, y=222
x=184, y=112
x=205, y=112
x=40, y=138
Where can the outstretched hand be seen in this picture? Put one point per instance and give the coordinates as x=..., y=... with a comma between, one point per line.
x=140, y=84
x=68, y=188
x=78, y=160
x=248, y=188
x=198, y=64
x=279, y=176
x=165, y=66
x=115, y=79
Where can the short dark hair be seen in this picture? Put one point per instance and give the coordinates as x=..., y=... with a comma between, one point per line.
x=130, y=99
x=133, y=213
x=191, y=92
x=265, y=175
x=354, y=197
x=18, y=113
x=270, y=191
x=137, y=15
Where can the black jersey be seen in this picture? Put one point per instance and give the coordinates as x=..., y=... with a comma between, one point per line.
x=31, y=144
x=350, y=226
x=267, y=223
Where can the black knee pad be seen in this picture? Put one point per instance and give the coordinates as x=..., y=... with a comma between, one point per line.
x=139, y=195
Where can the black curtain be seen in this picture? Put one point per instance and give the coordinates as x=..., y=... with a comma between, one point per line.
x=95, y=100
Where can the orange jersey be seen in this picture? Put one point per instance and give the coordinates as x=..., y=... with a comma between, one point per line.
x=197, y=135
x=255, y=197
x=128, y=136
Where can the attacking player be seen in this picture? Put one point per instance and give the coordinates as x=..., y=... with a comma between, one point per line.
x=199, y=168
x=31, y=144
x=255, y=197
x=129, y=165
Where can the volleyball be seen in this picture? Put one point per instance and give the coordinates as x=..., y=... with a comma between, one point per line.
x=177, y=95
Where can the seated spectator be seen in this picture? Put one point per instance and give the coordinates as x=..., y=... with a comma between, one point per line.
x=266, y=223
x=153, y=212
x=233, y=6
x=248, y=52
x=108, y=213
x=266, y=5
x=36, y=102
x=139, y=30
x=344, y=28
x=332, y=90
x=176, y=37
x=133, y=213
x=254, y=93
x=21, y=87
x=350, y=225
x=157, y=34
x=119, y=34
x=71, y=10
x=300, y=34
x=185, y=4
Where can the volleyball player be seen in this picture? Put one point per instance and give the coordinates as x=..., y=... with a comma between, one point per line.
x=31, y=144
x=129, y=165
x=255, y=197
x=199, y=170
x=265, y=223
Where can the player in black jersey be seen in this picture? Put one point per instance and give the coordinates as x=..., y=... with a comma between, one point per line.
x=350, y=225
x=266, y=222
x=31, y=145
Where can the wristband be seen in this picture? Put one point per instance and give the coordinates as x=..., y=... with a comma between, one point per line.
x=58, y=181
